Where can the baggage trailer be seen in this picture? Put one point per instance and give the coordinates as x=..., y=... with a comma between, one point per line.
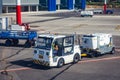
x=97, y=44
x=12, y=37
x=86, y=13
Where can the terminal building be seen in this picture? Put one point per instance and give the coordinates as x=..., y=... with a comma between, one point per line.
x=7, y=6
x=0, y=6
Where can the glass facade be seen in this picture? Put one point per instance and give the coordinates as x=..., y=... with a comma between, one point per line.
x=63, y=4
x=39, y=5
x=77, y=4
x=43, y=4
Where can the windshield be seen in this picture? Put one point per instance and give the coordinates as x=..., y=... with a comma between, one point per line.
x=44, y=43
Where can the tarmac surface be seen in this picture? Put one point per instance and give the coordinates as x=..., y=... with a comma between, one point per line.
x=16, y=62
x=70, y=22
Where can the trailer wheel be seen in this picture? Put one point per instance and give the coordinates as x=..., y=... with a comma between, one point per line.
x=60, y=63
x=113, y=51
x=8, y=42
x=91, y=16
x=94, y=54
x=76, y=58
x=91, y=54
x=28, y=44
x=15, y=41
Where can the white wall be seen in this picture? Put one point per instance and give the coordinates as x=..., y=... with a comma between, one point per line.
x=23, y=2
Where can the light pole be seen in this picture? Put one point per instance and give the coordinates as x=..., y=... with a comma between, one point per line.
x=18, y=12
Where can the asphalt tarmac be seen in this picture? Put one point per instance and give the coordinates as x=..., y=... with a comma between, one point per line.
x=16, y=62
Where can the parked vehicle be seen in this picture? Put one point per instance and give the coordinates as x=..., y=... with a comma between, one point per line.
x=13, y=33
x=86, y=13
x=109, y=12
x=13, y=37
x=98, y=11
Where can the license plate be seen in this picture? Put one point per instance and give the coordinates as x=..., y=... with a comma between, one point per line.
x=40, y=56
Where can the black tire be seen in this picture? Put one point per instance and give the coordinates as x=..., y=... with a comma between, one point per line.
x=60, y=63
x=76, y=58
x=100, y=12
x=82, y=16
x=113, y=51
x=28, y=44
x=97, y=54
x=91, y=16
x=15, y=41
x=94, y=54
x=8, y=42
x=91, y=55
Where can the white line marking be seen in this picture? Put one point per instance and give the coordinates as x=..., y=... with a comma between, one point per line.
x=103, y=59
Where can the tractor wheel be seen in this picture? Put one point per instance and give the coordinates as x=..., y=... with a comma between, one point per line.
x=60, y=63
x=76, y=58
